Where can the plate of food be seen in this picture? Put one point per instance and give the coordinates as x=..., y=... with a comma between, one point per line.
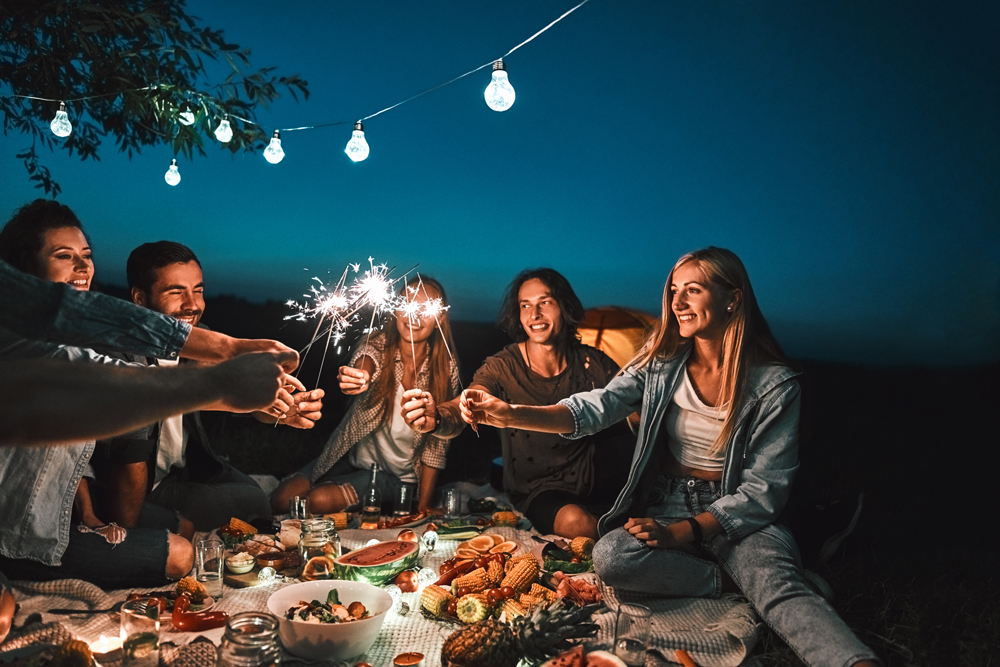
x=200, y=599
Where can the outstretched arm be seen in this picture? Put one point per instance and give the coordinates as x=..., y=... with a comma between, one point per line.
x=51, y=402
x=478, y=407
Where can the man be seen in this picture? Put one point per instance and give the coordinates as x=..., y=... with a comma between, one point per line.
x=186, y=476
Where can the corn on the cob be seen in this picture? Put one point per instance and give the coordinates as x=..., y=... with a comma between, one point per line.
x=242, y=526
x=435, y=600
x=494, y=572
x=528, y=601
x=522, y=575
x=471, y=609
x=194, y=588
x=517, y=559
x=504, y=519
x=479, y=596
x=476, y=581
x=539, y=591
x=513, y=608
x=74, y=653
x=339, y=519
x=582, y=547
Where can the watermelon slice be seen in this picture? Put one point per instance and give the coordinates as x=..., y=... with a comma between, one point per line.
x=571, y=658
x=378, y=563
x=603, y=659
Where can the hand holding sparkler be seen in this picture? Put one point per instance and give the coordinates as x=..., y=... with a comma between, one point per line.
x=419, y=410
x=355, y=381
x=479, y=407
x=303, y=413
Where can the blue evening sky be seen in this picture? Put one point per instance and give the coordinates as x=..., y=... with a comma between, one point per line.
x=849, y=152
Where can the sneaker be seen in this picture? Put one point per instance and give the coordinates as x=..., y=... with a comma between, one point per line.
x=833, y=542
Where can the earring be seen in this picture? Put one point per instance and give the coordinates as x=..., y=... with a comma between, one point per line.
x=729, y=308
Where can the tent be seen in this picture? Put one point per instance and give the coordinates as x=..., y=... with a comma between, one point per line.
x=616, y=331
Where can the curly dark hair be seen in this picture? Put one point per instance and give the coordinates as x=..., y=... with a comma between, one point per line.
x=570, y=307
x=145, y=261
x=23, y=237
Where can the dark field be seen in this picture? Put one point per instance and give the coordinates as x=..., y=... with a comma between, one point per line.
x=917, y=579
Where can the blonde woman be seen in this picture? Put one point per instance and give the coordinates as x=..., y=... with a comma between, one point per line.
x=700, y=513
x=412, y=353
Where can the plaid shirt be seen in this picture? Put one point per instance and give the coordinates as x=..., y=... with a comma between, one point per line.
x=366, y=414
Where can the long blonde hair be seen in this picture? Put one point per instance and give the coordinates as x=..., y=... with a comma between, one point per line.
x=747, y=341
x=439, y=343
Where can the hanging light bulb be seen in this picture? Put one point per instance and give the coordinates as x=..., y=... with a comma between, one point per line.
x=172, y=177
x=499, y=94
x=61, y=127
x=186, y=116
x=224, y=133
x=273, y=152
x=357, y=148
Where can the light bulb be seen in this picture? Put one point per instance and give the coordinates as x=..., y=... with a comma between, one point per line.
x=372, y=542
x=357, y=147
x=273, y=152
x=61, y=127
x=186, y=117
x=430, y=540
x=499, y=94
x=426, y=576
x=224, y=133
x=172, y=177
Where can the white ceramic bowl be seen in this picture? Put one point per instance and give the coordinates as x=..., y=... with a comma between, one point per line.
x=330, y=641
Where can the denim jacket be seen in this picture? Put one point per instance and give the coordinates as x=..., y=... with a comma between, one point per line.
x=761, y=457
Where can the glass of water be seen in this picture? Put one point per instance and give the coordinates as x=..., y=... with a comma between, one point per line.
x=140, y=633
x=211, y=556
x=632, y=633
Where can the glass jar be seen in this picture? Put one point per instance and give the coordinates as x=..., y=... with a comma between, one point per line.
x=251, y=640
x=318, y=538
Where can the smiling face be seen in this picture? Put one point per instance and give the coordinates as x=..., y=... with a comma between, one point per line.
x=65, y=257
x=418, y=328
x=698, y=304
x=541, y=316
x=178, y=291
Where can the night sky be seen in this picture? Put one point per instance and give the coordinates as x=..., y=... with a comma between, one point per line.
x=849, y=152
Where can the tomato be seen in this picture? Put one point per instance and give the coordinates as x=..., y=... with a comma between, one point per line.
x=407, y=581
x=453, y=608
x=462, y=591
x=447, y=566
x=407, y=535
x=480, y=562
x=481, y=521
x=500, y=557
x=575, y=559
x=507, y=592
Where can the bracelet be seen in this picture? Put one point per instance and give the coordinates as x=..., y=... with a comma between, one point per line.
x=437, y=422
x=696, y=529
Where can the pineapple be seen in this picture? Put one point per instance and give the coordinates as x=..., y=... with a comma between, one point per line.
x=490, y=643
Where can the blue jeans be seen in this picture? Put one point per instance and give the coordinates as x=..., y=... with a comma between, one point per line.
x=343, y=472
x=765, y=565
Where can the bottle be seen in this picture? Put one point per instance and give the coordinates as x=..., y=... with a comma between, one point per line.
x=318, y=538
x=371, y=504
x=251, y=640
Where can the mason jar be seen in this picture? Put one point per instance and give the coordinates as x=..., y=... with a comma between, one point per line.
x=251, y=640
x=318, y=538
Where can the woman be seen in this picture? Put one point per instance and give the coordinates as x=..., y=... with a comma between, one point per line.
x=415, y=353
x=46, y=239
x=562, y=486
x=702, y=510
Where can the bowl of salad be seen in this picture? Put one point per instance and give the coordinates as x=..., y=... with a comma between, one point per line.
x=329, y=619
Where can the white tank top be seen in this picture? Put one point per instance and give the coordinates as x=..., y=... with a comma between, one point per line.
x=692, y=427
x=391, y=446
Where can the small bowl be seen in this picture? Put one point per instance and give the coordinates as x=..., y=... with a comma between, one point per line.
x=238, y=567
x=330, y=641
x=273, y=559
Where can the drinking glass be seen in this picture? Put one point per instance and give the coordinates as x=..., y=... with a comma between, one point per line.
x=298, y=508
x=452, y=503
x=211, y=556
x=140, y=633
x=404, y=499
x=632, y=633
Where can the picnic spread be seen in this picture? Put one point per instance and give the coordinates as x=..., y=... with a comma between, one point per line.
x=715, y=632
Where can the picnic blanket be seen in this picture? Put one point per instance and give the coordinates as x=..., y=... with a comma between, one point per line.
x=717, y=633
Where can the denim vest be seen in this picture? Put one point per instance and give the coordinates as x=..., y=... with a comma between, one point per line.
x=761, y=457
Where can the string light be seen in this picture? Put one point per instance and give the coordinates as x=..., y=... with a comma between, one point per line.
x=172, y=177
x=186, y=117
x=61, y=127
x=224, y=133
x=499, y=94
x=273, y=153
x=357, y=148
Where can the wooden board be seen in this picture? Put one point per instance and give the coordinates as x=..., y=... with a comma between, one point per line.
x=249, y=579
